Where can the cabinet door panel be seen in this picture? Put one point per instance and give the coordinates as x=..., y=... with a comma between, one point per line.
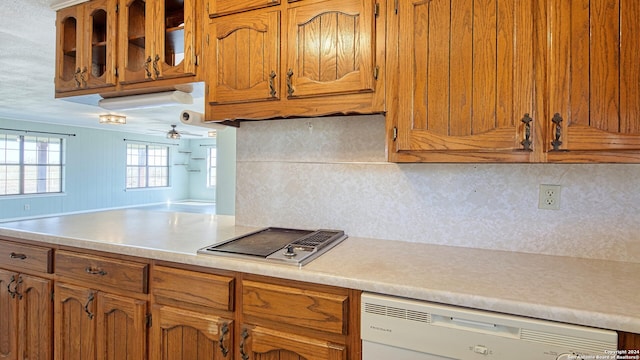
x=330, y=48
x=267, y=344
x=245, y=57
x=8, y=316
x=466, y=76
x=121, y=328
x=135, y=41
x=74, y=320
x=175, y=43
x=36, y=318
x=100, y=26
x=69, y=48
x=594, y=79
x=184, y=335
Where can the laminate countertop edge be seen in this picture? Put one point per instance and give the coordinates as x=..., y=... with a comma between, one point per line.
x=597, y=293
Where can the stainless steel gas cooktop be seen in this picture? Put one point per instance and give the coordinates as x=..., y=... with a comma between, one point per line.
x=289, y=246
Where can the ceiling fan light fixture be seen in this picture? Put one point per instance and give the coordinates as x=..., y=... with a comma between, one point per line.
x=173, y=134
x=112, y=119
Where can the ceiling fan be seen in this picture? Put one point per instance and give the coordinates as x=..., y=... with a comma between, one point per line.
x=173, y=134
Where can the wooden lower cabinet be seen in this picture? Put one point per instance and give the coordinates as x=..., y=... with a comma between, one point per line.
x=185, y=335
x=91, y=324
x=260, y=343
x=25, y=317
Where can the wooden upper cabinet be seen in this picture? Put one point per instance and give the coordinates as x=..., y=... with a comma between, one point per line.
x=86, y=46
x=224, y=7
x=245, y=57
x=157, y=39
x=594, y=81
x=330, y=48
x=465, y=80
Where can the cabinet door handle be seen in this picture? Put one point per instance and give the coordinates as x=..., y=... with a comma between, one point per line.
x=86, y=306
x=146, y=66
x=11, y=281
x=557, y=119
x=17, y=256
x=95, y=271
x=82, y=78
x=75, y=77
x=244, y=336
x=526, y=143
x=155, y=66
x=15, y=288
x=289, y=84
x=272, y=85
x=224, y=330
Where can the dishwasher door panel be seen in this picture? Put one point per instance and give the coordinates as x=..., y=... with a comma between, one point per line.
x=375, y=351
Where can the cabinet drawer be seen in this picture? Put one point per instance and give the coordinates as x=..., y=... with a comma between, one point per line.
x=296, y=306
x=192, y=289
x=25, y=257
x=101, y=271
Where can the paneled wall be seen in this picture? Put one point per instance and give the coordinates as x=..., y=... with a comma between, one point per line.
x=330, y=173
x=94, y=173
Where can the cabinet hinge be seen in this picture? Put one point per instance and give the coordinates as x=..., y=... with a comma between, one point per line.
x=395, y=133
x=117, y=8
x=376, y=10
x=52, y=296
x=196, y=60
x=376, y=72
x=115, y=71
x=149, y=320
x=396, y=7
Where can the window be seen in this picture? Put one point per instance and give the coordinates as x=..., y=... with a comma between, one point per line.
x=211, y=167
x=147, y=166
x=30, y=164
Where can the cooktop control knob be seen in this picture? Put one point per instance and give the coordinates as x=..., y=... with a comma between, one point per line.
x=288, y=252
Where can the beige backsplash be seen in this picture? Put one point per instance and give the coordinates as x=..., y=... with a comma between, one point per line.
x=331, y=173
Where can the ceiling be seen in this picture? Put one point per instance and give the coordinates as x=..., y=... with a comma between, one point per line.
x=27, y=64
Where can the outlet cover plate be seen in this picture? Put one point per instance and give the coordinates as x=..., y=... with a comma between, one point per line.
x=549, y=197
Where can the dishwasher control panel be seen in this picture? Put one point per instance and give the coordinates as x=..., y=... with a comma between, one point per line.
x=406, y=329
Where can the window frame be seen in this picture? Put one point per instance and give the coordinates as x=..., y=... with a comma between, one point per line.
x=24, y=181
x=212, y=167
x=147, y=168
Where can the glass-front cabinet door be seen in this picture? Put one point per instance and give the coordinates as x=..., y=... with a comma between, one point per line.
x=86, y=53
x=159, y=37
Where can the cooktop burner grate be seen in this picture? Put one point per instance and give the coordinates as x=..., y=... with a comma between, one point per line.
x=316, y=240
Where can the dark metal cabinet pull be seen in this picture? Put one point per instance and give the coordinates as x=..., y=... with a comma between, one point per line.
x=86, y=306
x=526, y=143
x=12, y=280
x=75, y=77
x=15, y=288
x=557, y=119
x=289, y=84
x=17, y=256
x=223, y=331
x=94, y=271
x=156, y=70
x=244, y=336
x=272, y=85
x=146, y=66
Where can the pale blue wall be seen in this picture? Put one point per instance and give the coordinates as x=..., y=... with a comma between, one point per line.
x=95, y=174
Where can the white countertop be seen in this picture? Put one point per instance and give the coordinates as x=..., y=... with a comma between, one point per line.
x=604, y=294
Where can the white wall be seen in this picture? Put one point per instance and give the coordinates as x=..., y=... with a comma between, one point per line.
x=331, y=173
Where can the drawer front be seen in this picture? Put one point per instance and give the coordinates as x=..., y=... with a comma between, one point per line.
x=305, y=308
x=98, y=271
x=191, y=289
x=22, y=257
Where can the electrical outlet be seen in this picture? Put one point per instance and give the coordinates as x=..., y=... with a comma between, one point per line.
x=549, y=198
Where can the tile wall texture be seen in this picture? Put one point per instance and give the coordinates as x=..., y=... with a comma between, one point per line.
x=331, y=173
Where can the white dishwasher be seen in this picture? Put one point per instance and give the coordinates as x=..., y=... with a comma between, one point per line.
x=403, y=329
